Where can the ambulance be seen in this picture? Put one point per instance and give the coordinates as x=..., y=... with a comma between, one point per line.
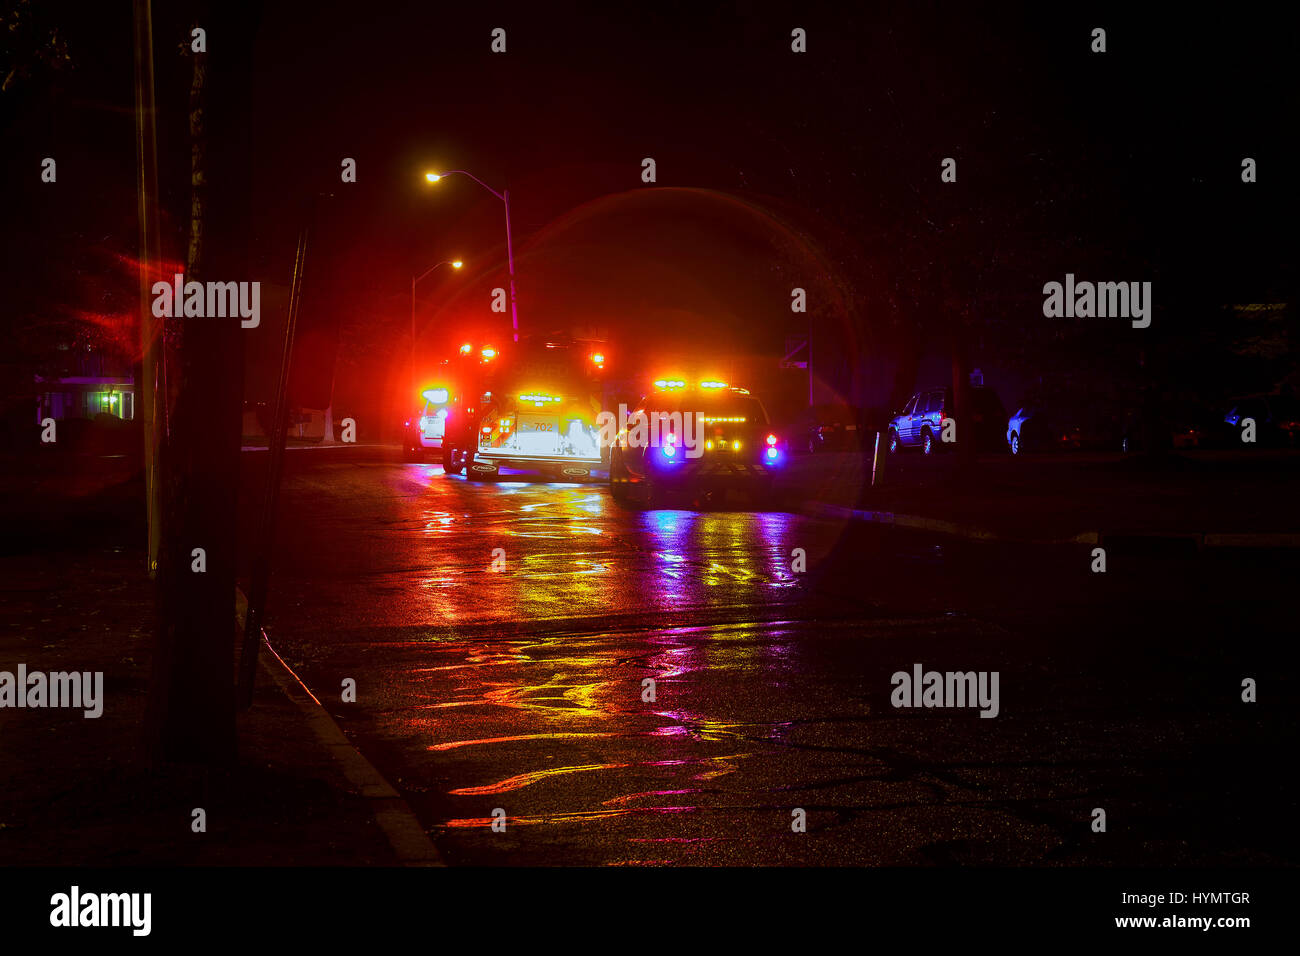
x=425, y=431
x=437, y=398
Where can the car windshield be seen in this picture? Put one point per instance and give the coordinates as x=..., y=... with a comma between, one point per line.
x=726, y=406
x=548, y=370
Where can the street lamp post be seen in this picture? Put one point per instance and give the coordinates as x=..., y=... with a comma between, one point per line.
x=455, y=264
x=504, y=196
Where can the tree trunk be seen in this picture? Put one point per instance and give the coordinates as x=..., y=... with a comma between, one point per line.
x=327, y=437
x=191, y=713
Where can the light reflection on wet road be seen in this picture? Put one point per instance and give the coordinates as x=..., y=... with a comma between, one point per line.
x=526, y=687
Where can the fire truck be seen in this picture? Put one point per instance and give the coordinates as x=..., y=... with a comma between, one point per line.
x=533, y=405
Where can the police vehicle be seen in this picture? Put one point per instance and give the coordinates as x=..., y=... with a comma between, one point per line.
x=694, y=441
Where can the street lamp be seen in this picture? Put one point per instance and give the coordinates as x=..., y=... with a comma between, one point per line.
x=455, y=264
x=504, y=196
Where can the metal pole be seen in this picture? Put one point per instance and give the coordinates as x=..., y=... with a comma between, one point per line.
x=878, y=460
x=260, y=583
x=811, y=403
x=510, y=258
x=414, y=385
x=153, y=406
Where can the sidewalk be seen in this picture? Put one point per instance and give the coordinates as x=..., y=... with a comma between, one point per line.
x=1209, y=499
x=78, y=790
x=261, y=443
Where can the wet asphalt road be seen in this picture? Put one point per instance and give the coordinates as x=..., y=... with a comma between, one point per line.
x=520, y=688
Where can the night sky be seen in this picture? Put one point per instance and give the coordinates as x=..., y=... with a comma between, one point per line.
x=774, y=170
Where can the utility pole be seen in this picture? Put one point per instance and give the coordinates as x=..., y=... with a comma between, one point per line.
x=414, y=384
x=811, y=400
x=260, y=583
x=510, y=259
x=152, y=382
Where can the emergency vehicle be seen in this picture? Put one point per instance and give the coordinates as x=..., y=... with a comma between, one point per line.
x=426, y=431
x=535, y=406
x=694, y=440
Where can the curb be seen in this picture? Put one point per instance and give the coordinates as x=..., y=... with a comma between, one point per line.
x=1196, y=540
x=1199, y=541
x=391, y=812
x=1272, y=540
x=937, y=526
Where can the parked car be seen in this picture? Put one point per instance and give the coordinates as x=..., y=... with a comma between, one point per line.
x=1276, y=417
x=1062, y=423
x=920, y=423
x=1172, y=423
x=829, y=427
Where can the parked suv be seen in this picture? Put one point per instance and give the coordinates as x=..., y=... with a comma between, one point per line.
x=920, y=423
